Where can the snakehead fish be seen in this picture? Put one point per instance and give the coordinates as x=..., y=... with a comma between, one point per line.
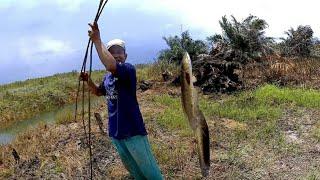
x=196, y=118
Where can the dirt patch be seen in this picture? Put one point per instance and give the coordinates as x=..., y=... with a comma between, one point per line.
x=232, y=124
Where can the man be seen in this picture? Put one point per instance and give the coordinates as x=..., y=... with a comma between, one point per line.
x=126, y=127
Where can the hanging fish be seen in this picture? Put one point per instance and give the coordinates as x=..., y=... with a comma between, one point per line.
x=189, y=97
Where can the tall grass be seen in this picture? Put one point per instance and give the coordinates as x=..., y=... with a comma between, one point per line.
x=65, y=117
x=298, y=96
x=154, y=70
x=303, y=72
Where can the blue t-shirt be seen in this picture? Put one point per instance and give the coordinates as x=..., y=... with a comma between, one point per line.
x=125, y=119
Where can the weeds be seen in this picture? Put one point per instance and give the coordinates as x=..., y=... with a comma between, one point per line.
x=154, y=71
x=65, y=117
x=172, y=118
x=59, y=167
x=312, y=175
x=243, y=107
x=301, y=72
x=6, y=173
x=271, y=94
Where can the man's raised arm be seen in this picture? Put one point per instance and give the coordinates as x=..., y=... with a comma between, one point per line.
x=105, y=56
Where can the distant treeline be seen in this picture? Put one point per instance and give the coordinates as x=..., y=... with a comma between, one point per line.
x=246, y=40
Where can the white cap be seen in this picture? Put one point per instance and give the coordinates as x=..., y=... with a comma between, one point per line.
x=118, y=42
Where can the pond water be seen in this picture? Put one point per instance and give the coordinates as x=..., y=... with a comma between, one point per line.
x=8, y=134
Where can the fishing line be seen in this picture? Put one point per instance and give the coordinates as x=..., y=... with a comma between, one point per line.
x=83, y=70
x=89, y=112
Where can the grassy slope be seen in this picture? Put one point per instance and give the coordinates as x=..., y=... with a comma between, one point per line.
x=25, y=99
x=21, y=100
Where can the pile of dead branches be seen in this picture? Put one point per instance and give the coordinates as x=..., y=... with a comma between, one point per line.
x=216, y=74
x=240, y=43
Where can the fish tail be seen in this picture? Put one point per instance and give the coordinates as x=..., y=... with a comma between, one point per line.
x=202, y=135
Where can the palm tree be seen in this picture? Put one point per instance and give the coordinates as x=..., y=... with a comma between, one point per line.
x=298, y=42
x=177, y=46
x=245, y=39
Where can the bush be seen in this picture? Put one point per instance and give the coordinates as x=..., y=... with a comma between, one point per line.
x=298, y=43
x=178, y=45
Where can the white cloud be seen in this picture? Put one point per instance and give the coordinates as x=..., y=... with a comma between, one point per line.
x=18, y=3
x=42, y=48
x=67, y=5
x=168, y=26
x=205, y=14
x=70, y=5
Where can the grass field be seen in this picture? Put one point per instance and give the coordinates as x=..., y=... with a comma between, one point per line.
x=269, y=132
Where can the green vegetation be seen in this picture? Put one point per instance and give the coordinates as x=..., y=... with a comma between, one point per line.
x=264, y=103
x=297, y=96
x=245, y=39
x=153, y=71
x=250, y=131
x=6, y=173
x=298, y=43
x=252, y=141
x=58, y=167
x=259, y=109
x=313, y=175
x=243, y=107
x=169, y=156
x=21, y=100
x=247, y=124
x=65, y=117
x=172, y=117
x=178, y=45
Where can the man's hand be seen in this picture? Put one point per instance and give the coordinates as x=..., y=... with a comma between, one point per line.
x=84, y=76
x=94, y=33
x=105, y=56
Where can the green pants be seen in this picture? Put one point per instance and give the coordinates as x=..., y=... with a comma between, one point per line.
x=137, y=157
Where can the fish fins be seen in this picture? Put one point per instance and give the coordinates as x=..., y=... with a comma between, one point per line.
x=194, y=79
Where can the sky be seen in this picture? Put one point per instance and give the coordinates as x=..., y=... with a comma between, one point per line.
x=41, y=38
